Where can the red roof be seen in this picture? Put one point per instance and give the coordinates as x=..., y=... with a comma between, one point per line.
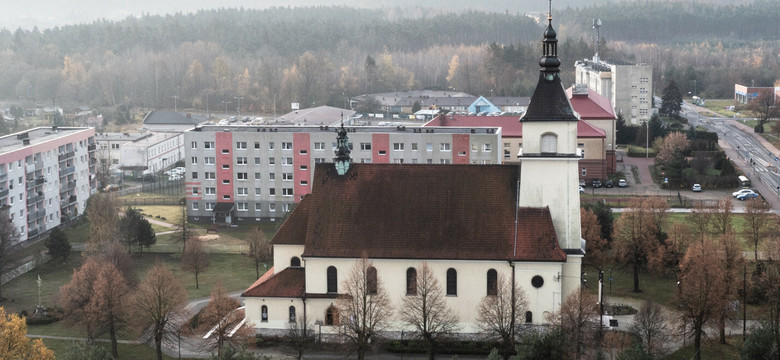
x=591, y=106
x=511, y=127
x=293, y=230
x=421, y=211
x=290, y=282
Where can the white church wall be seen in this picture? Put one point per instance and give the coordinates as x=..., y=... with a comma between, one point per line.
x=284, y=253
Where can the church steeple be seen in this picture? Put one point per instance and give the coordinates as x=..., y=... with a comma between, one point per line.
x=341, y=158
x=549, y=101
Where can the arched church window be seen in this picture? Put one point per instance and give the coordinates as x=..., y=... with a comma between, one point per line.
x=549, y=143
x=332, y=280
x=492, y=282
x=295, y=262
x=411, y=281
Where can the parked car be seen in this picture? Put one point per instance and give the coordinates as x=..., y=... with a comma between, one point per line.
x=582, y=183
x=622, y=183
x=609, y=183
x=696, y=188
x=174, y=177
x=750, y=195
x=582, y=189
x=111, y=188
x=596, y=183
x=742, y=191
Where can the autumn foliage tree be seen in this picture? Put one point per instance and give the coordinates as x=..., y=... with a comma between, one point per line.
x=259, y=248
x=103, y=220
x=701, y=296
x=636, y=233
x=579, y=319
x=364, y=308
x=597, y=247
x=757, y=221
x=731, y=259
x=158, y=304
x=722, y=217
x=672, y=144
x=14, y=341
x=427, y=312
x=219, y=318
x=500, y=314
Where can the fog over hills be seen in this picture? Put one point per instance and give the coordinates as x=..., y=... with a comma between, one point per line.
x=46, y=14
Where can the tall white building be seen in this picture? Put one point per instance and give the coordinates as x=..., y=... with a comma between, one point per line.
x=46, y=177
x=629, y=87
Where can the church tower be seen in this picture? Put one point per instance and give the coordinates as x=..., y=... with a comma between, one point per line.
x=549, y=171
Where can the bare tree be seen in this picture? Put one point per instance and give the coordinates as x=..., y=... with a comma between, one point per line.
x=103, y=220
x=109, y=303
x=183, y=232
x=757, y=221
x=579, y=321
x=116, y=254
x=259, y=248
x=195, y=259
x=651, y=326
x=298, y=336
x=731, y=259
x=700, y=296
x=668, y=255
x=500, y=314
x=722, y=216
x=700, y=218
x=8, y=237
x=364, y=310
x=427, y=313
x=158, y=303
x=75, y=297
x=220, y=318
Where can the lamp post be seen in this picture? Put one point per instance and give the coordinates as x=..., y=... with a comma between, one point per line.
x=208, y=114
x=319, y=324
x=647, y=139
x=226, y=104
x=174, y=102
x=239, y=104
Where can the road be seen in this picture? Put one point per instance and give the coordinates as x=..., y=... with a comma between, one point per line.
x=755, y=156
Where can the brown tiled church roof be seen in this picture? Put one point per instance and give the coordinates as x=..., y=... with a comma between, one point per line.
x=290, y=282
x=463, y=212
x=293, y=230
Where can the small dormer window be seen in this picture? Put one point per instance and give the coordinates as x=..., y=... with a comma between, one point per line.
x=549, y=144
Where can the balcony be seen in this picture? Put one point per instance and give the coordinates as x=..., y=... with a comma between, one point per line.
x=35, y=215
x=70, y=185
x=39, y=181
x=32, y=233
x=91, y=147
x=66, y=155
x=34, y=199
x=4, y=177
x=67, y=170
x=38, y=165
x=71, y=199
x=3, y=194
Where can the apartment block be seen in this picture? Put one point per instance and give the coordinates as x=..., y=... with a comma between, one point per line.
x=46, y=176
x=629, y=87
x=256, y=173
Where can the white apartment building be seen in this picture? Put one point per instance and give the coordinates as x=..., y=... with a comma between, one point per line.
x=629, y=87
x=154, y=152
x=46, y=177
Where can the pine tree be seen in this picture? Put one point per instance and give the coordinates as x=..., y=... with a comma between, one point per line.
x=672, y=100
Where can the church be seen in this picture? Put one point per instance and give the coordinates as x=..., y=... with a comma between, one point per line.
x=469, y=223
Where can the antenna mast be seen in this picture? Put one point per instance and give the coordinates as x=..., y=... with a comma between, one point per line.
x=597, y=38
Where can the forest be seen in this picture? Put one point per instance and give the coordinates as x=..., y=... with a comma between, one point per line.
x=321, y=55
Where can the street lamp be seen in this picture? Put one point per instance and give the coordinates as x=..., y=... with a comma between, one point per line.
x=239, y=104
x=647, y=139
x=226, y=104
x=174, y=102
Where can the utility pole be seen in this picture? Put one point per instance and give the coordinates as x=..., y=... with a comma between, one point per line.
x=238, y=108
x=226, y=110
x=175, y=97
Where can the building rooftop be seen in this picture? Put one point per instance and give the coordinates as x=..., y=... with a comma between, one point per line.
x=321, y=115
x=152, y=139
x=355, y=129
x=35, y=136
x=134, y=136
x=589, y=104
x=158, y=117
x=510, y=125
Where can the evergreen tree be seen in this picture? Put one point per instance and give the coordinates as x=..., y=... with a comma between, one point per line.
x=57, y=243
x=625, y=134
x=672, y=100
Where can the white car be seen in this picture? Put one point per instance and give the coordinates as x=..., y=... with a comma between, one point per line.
x=696, y=188
x=741, y=192
x=174, y=177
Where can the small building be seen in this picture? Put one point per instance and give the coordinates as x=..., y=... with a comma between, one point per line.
x=152, y=153
x=746, y=94
x=168, y=121
x=629, y=87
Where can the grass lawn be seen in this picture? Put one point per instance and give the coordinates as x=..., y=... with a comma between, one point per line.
x=719, y=106
x=126, y=351
x=710, y=350
x=170, y=213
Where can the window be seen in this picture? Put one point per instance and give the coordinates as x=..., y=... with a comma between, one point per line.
x=287, y=176
x=474, y=147
x=398, y=146
x=414, y=146
x=209, y=160
x=584, y=172
x=257, y=146
x=303, y=152
x=332, y=316
x=194, y=160
x=365, y=146
x=225, y=182
x=295, y=262
x=304, y=167
x=271, y=176
x=272, y=207
x=365, y=160
x=549, y=144
x=226, y=166
x=211, y=191
x=226, y=151
x=287, y=161
x=287, y=192
x=452, y=282
x=258, y=207
x=264, y=313
x=258, y=176
x=208, y=145
x=444, y=146
x=429, y=147
x=271, y=161
x=257, y=161
x=319, y=160
x=241, y=207
x=444, y=161
x=242, y=176
x=461, y=153
x=210, y=206
x=486, y=148
x=382, y=153
x=241, y=160
x=304, y=183
x=529, y=317
x=194, y=175
x=319, y=146
x=292, y=314
x=398, y=161
x=242, y=191
x=537, y=281
x=226, y=197
x=332, y=283
x=195, y=205
x=241, y=145
x=209, y=175
x=257, y=191
x=507, y=154
x=371, y=280
x=193, y=144
x=270, y=145
x=411, y=281
x=286, y=207
x=492, y=282
x=287, y=146
x=272, y=191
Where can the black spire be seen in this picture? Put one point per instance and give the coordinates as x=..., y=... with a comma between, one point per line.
x=549, y=101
